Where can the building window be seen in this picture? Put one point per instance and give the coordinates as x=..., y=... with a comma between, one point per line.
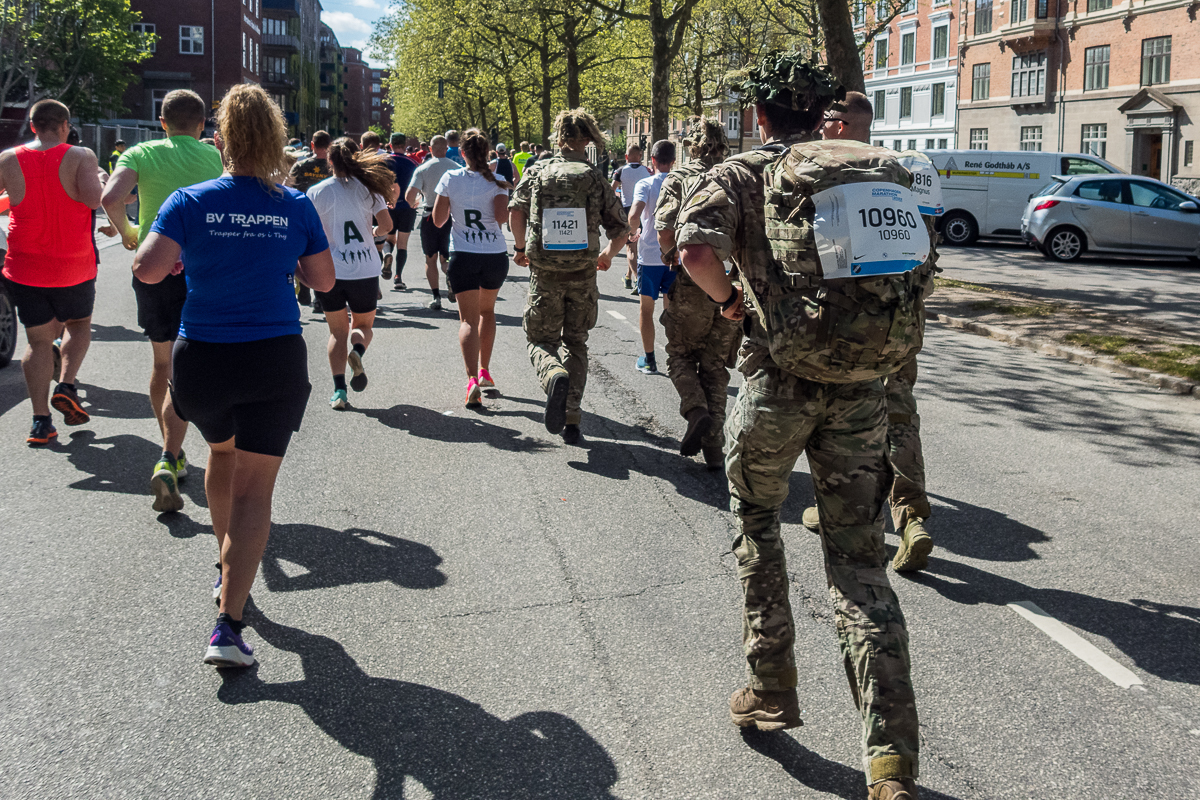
x=910, y=7
x=937, y=99
x=280, y=100
x=1029, y=75
x=879, y=142
x=156, y=100
x=983, y=16
x=1099, y=5
x=1031, y=138
x=191, y=39
x=245, y=52
x=858, y=13
x=1095, y=140
x=376, y=88
x=941, y=144
x=1020, y=10
x=881, y=53
x=929, y=144
x=147, y=29
x=912, y=144
x=276, y=27
x=897, y=145
x=374, y=73
x=880, y=103
x=1188, y=152
x=908, y=49
x=1095, y=68
x=981, y=81
x=375, y=101
x=374, y=116
x=731, y=124
x=324, y=102
x=1156, y=60
x=941, y=42
x=906, y=102
x=979, y=138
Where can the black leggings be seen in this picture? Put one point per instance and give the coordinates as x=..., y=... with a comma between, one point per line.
x=252, y=392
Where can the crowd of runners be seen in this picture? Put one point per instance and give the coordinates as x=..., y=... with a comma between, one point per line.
x=235, y=235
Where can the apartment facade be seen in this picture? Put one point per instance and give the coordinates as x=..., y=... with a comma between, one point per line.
x=291, y=50
x=1119, y=80
x=331, y=106
x=366, y=100
x=911, y=72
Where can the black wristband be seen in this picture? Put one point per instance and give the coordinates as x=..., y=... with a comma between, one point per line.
x=519, y=249
x=733, y=295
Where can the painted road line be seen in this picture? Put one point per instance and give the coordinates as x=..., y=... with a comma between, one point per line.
x=1076, y=644
x=615, y=314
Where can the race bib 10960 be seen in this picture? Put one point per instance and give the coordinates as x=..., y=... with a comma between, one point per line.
x=564, y=229
x=926, y=184
x=865, y=229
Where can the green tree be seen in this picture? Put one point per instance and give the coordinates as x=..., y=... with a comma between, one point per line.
x=76, y=51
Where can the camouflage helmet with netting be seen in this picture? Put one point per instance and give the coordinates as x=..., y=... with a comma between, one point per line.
x=786, y=79
x=706, y=140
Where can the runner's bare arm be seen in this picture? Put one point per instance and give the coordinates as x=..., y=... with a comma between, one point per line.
x=666, y=244
x=116, y=193
x=411, y=196
x=317, y=271
x=441, y=210
x=383, y=223
x=702, y=264
x=87, y=179
x=635, y=220
x=516, y=220
x=156, y=258
x=500, y=208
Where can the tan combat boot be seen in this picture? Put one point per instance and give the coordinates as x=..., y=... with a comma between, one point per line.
x=914, y=548
x=811, y=519
x=767, y=711
x=896, y=789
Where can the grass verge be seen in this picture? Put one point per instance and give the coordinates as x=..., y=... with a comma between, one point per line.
x=1014, y=310
x=1182, y=361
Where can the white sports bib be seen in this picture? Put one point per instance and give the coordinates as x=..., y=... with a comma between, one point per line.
x=865, y=229
x=926, y=185
x=564, y=229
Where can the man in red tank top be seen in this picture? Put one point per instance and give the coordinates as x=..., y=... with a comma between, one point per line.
x=50, y=267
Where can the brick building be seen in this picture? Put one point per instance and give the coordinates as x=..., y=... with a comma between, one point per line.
x=331, y=107
x=291, y=45
x=911, y=72
x=1116, y=79
x=366, y=101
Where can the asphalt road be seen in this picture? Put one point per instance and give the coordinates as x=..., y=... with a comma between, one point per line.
x=1164, y=290
x=457, y=605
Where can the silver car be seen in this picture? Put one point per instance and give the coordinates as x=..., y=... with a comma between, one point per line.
x=1111, y=214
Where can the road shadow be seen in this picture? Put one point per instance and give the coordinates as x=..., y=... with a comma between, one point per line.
x=181, y=526
x=450, y=745
x=115, y=403
x=329, y=557
x=12, y=386
x=425, y=423
x=977, y=532
x=1161, y=639
x=123, y=464
x=814, y=771
x=392, y=322
x=116, y=333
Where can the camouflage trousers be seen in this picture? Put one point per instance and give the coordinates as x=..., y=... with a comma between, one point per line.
x=701, y=347
x=843, y=429
x=908, y=497
x=560, y=311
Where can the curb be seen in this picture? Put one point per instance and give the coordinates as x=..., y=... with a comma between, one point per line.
x=1073, y=354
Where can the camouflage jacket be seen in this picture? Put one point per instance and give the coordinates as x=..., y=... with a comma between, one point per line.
x=567, y=180
x=670, y=199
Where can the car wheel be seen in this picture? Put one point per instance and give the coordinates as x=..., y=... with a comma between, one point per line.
x=1064, y=244
x=959, y=228
x=8, y=327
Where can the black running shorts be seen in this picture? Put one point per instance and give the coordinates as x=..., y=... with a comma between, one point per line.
x=469, y=271
x=160, y=307
x=37, y=305
x=435, y=240
x=361, y=294
x=404, y=217
x=252, y=392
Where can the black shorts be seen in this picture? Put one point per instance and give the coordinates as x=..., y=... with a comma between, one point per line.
x=361, y=294
x=252, y=392
x=37, y=305
x=469, y=271
x=404, y=217
x=160, y=307
x=435, y=240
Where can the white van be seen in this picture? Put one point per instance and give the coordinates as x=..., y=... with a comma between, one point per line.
x=985, y=192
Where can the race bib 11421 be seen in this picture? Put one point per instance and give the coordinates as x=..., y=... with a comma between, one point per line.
x=865, y=229
x=564, y=229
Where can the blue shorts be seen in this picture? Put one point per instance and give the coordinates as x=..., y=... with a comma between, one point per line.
x=654, y=279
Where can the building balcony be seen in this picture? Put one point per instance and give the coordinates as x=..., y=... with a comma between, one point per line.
x=1028, y=33
x=283, y=41
x=291, y=7
x=276, y=79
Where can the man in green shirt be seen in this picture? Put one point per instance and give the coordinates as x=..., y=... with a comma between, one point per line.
x=118, y=148
x=157, y=168
x=520, y=158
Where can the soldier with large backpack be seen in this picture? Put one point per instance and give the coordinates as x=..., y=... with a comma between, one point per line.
x=564, y=200
x=833, y=263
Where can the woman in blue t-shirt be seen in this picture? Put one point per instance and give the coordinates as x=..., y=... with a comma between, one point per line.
x=240, y=367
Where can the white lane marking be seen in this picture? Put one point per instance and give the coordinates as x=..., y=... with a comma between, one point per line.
x=615, y=314
x=1076, y=644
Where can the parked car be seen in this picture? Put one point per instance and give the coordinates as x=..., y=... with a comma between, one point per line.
x=1111, y=214
x=985, y=191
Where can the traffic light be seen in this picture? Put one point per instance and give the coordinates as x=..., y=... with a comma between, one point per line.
x=441, y=88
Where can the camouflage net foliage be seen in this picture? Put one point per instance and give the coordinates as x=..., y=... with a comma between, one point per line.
x=706, y=140
x=784, y=78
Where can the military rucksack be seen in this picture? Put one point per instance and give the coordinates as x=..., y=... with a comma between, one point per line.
x=562, y=183
x=830, y=330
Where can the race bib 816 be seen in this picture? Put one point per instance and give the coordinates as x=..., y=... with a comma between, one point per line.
x=564, y=229
x=926, y=184
x=865, y=229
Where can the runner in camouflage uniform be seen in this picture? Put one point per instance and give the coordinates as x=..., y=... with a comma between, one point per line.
x=778, y=416
x=701, y=343
x=563, y=297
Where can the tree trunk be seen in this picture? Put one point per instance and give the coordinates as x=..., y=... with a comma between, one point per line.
x=570, y=24
x=547, y=99
x=512, y=109
x=483, y=126
x=840, y=48
x=698, y=86
x=660, y=78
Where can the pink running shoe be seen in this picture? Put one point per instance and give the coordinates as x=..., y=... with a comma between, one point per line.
x=474, y=395
x=485, y=380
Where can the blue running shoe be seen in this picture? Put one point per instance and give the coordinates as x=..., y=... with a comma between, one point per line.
x=646, y=365
x=217, y=589
x=339, y=401
x=226, y=649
